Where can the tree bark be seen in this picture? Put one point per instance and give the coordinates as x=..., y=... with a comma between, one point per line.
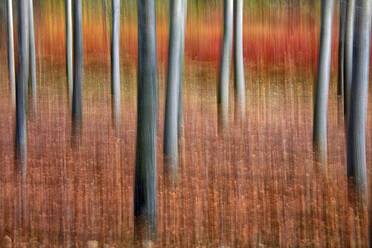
x=341, y=48
x=322, y=86
x=350, y=16
x=69, y=71
x=21, y=81
x=115, y=62
x=223, y=85
x=10, y=43
x=147, y=127
x=173, y=83
x=78, y=66
x=356, y=132
x=239, y=84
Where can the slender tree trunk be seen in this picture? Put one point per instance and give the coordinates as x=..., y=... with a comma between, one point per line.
x=348, y=55
x=239, y=84
x=341, y=48
x=147, y=127
x=69, y=71
x=21, y=81
x=356, y=132
x=322, y=86
x=78, y=66
x=223, y=86
x=10, y=42
x=115, y=62
x=32, y=54
x=182, y=73
x=173, y=83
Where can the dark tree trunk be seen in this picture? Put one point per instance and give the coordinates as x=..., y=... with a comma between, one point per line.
x=147, y=127
x=21, y=81
x=172, y=92
x=223, y=85
x=115, y=62
x=356, y=132
x=10, y=43
x=348, y=68
x=78, y=66
x=322, y=86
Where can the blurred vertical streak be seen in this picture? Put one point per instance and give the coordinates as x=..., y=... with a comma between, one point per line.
x=32, y=62
x=10, y=43
x=341, y=48
x=69, y=71
x=182, y=71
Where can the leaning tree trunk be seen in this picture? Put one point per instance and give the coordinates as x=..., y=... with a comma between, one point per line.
x=239, y=84
x=78, y=67
x=32, y=54
x=10, y=42
x=182, y=72
x=356, y=132
x=69, y=46
x=147, y=127
x=341, y=48
x=348, y=55
x=223, y=86
x=115, y=63
x=322, y=86
x=21, y=81
x=173, y=83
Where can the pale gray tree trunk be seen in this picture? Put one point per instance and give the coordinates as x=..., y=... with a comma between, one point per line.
x=348, y=55
x=115, y=62
x=32, y=54
x=10, y=43
x=356, y=132
x=322, y=86
x=182, y=73
x=341, y=48
x=239, y=84
x=78, y=66
x=147, y=127
x=173, y=84
x=21, y=81
x=223, y=85
x=69, y=71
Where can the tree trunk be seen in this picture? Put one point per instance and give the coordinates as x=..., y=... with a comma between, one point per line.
x=182, y=73
x=145, y=174
x=173, y=83
x=356, y=132
x=21, y=81
x=32, y=54
x=10, y=42
x=223, y=86
x=341, y=48
x=115, y=62
x=69, y=71
x=348, y=55
x=239, y=84
x=78, y=66
x=322, y=86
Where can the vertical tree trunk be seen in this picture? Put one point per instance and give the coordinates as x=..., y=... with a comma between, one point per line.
x=356, y=133
x=348, y=70
x=21, y=81
x=182, y=62
x=322, y=86
x=69, y=71
x=239, y=84
x=78, y=65
x=32, y=53
x=173, y=83
x=115, y=62
x=341, y=48
x=147, y=127
x=10, y=43
x=223, y=86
